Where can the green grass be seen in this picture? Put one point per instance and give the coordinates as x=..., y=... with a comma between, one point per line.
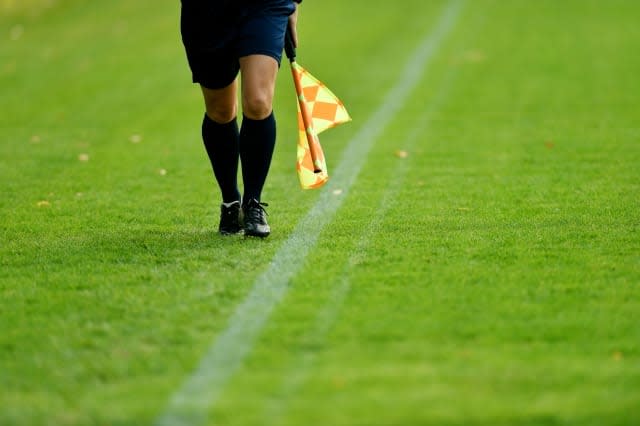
x=488, y=278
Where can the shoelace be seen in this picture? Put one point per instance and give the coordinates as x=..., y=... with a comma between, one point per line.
x=255, y=210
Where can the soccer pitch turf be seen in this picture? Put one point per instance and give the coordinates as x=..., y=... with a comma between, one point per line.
x=474, y=260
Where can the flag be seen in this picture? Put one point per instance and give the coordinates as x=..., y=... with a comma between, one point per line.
x=318, y=110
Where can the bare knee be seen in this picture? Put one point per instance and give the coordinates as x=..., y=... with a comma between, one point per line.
x=221, y=113
x=221, y=103
x=257, y=106
x=258, y=84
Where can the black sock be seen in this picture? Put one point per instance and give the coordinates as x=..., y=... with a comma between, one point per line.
x=257, y=141
x=221, y=143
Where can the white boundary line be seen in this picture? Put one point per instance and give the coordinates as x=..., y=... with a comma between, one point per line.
x=191, y=403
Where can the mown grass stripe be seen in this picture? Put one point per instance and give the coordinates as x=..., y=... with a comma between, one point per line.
x=191, y=403
x=329, y=313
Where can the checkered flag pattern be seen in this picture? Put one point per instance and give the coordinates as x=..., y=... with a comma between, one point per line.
x=323, y=111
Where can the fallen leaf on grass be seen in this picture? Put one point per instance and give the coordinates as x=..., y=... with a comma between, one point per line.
x=43, y=203
x=16, y=32
x=474, y=56
x=338, y=382
x=401, y=154
x=549, y=144
x=83, y=157
x=10, y=67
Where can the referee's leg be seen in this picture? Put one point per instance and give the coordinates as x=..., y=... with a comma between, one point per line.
x=257, y=136
x=259, y=74
x=221, y=104
x=221, y=140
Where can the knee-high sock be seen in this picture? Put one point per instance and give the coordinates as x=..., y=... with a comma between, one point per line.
x=221, y=143
x=257, y=142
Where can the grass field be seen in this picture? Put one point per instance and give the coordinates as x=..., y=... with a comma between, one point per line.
x=478, y=264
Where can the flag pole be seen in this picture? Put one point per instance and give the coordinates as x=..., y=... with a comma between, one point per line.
x=290, y=51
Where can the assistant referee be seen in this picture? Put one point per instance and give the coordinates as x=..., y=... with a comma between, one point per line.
x=223, y=38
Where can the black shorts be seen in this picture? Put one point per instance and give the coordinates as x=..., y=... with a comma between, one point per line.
x=216, y=33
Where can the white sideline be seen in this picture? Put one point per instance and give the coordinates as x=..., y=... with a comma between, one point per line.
x=192, y=402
